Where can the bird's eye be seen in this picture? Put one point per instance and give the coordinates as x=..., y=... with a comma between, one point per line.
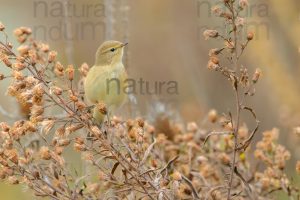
x=112, y=50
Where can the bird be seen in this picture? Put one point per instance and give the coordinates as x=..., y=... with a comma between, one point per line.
x=106, y=80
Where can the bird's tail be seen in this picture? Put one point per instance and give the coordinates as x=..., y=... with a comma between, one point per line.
x=98, y=117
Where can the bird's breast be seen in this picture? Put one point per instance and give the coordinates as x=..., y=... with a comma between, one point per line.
x=106, y=83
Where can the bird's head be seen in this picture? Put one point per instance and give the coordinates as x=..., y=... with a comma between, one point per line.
x=109, y=52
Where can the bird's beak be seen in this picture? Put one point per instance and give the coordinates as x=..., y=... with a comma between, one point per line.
x=123, y=45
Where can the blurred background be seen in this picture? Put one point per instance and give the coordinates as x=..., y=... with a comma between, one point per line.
x=165, y=45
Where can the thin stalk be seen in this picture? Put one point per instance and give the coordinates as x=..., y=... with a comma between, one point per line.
x=237, y=99
x=235, y=135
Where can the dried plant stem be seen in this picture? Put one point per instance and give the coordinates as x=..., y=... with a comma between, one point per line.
x=237, y=99
x=235, y=135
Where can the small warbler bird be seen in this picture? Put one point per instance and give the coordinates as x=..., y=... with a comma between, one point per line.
x=105, y=80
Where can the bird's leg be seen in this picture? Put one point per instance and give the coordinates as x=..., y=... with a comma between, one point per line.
x=108, y=116
x=100, y=125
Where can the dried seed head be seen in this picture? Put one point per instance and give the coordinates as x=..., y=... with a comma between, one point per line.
x=210, y=34
x=26, y=30
x=243, y=132
x=6, y=61
x=243, y=3
x=140, y=122
x=129, y=124
x=214, y=52
x=63, y=142
x=13, y=180
x=250, y=36
x=224, y=158
x=217, y=10
x=21, y=39
x=133, y=133
x=79, y=147
x=154, y=163
x=101, y=107
x=73, y=98
x=257, y=74
x=4, y=126
x=24, y=98
x=18, y=32
x=31, y=81
x=161, y=138
x=229, y=44
x=213, y=63
x=52, y=56
x=177, y=176
x=70, y=72
x=96, y=131
x=36, y=100
x=21, y=59
x=58, y=69
x=201, y=159
x=212, y=66
x=80, y=105
x=215, y=60
x=79, y=140
x=150, y=129
x=23, y=49
x=226, y=15
x=8, y=171
x=12, y=155
x=192, y=127
x=45, y=153
x=265, y=181
x=47, y=125
x=74, y=127
x=12, y=90
x=60, y=131
x=93, y=188
x=18, y=66
x=56, y=90
x=29, y=126
x=84, y=69
x=38, y=90
x=18, y=75
x=188, y=137
x=212, y=115
x=37, y=110
x=87, y=156
x=244, y=77
x=44, y=47
x=228, y=126
x=9, y=45
x=239, y=22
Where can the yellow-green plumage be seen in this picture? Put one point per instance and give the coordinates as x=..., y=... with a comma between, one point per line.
x=108, y=67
